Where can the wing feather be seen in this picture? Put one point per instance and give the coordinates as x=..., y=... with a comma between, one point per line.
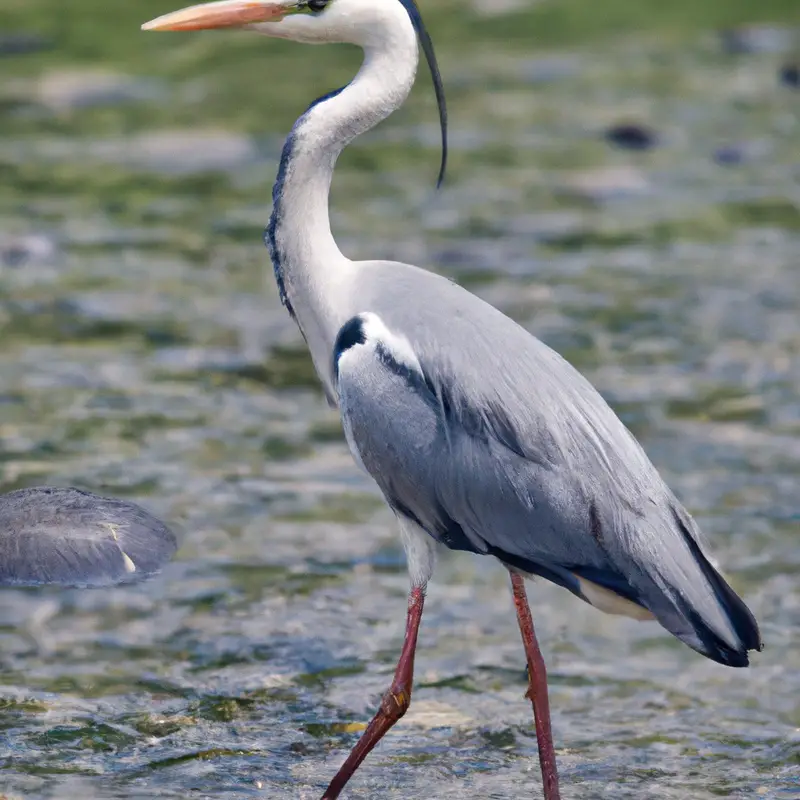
x=510, y=451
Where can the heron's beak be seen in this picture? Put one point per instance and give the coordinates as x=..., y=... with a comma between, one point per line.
x=223, y=14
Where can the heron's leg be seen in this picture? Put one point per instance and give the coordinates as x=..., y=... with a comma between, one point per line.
x=395, y=702
x=537, y=689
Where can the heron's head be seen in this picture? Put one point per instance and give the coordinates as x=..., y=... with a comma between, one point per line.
x=371, y=24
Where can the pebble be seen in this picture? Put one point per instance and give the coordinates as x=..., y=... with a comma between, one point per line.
x=34, y=248
x=631, y=136
x=790, y=75
x=731, y=155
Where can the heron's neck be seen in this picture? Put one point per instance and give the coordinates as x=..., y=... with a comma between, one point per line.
x=309, y=267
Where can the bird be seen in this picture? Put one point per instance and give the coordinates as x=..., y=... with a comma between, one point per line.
x=480, y=437
x=64, y=536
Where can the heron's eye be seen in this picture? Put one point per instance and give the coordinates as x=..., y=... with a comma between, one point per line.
x=315, y=6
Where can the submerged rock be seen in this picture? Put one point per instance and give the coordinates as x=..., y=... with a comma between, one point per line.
x=731, y=155
x=21, y=250
x=631, y=136
x=789, y=75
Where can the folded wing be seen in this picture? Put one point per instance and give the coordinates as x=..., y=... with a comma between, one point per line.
x=561, y=492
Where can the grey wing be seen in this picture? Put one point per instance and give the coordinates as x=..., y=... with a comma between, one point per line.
x=70, y=537
x=462, y=468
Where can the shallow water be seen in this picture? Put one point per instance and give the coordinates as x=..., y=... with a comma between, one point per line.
x=146, y=355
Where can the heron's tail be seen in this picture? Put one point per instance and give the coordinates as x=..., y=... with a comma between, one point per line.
x=689, y=597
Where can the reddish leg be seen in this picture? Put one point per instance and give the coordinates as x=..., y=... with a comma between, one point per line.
x=537, y=689
x=395, y=702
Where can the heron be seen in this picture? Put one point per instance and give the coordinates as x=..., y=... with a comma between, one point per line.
x=479, y=436
x=64, y=536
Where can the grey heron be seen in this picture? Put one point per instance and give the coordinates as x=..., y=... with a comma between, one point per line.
x=480, y=437
x=69, y=537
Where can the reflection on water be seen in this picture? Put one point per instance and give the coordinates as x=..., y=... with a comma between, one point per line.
x=146, y=355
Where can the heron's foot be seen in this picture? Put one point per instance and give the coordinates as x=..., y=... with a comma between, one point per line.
x=394, y=703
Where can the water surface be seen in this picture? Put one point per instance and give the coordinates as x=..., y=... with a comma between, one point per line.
x=145, y=354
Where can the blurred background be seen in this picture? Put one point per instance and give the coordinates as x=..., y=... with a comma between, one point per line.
x=625, y=182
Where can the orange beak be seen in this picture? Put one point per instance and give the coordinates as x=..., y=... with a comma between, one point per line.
x=222, y=14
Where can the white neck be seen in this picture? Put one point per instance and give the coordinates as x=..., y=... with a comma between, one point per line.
x=310, y=269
